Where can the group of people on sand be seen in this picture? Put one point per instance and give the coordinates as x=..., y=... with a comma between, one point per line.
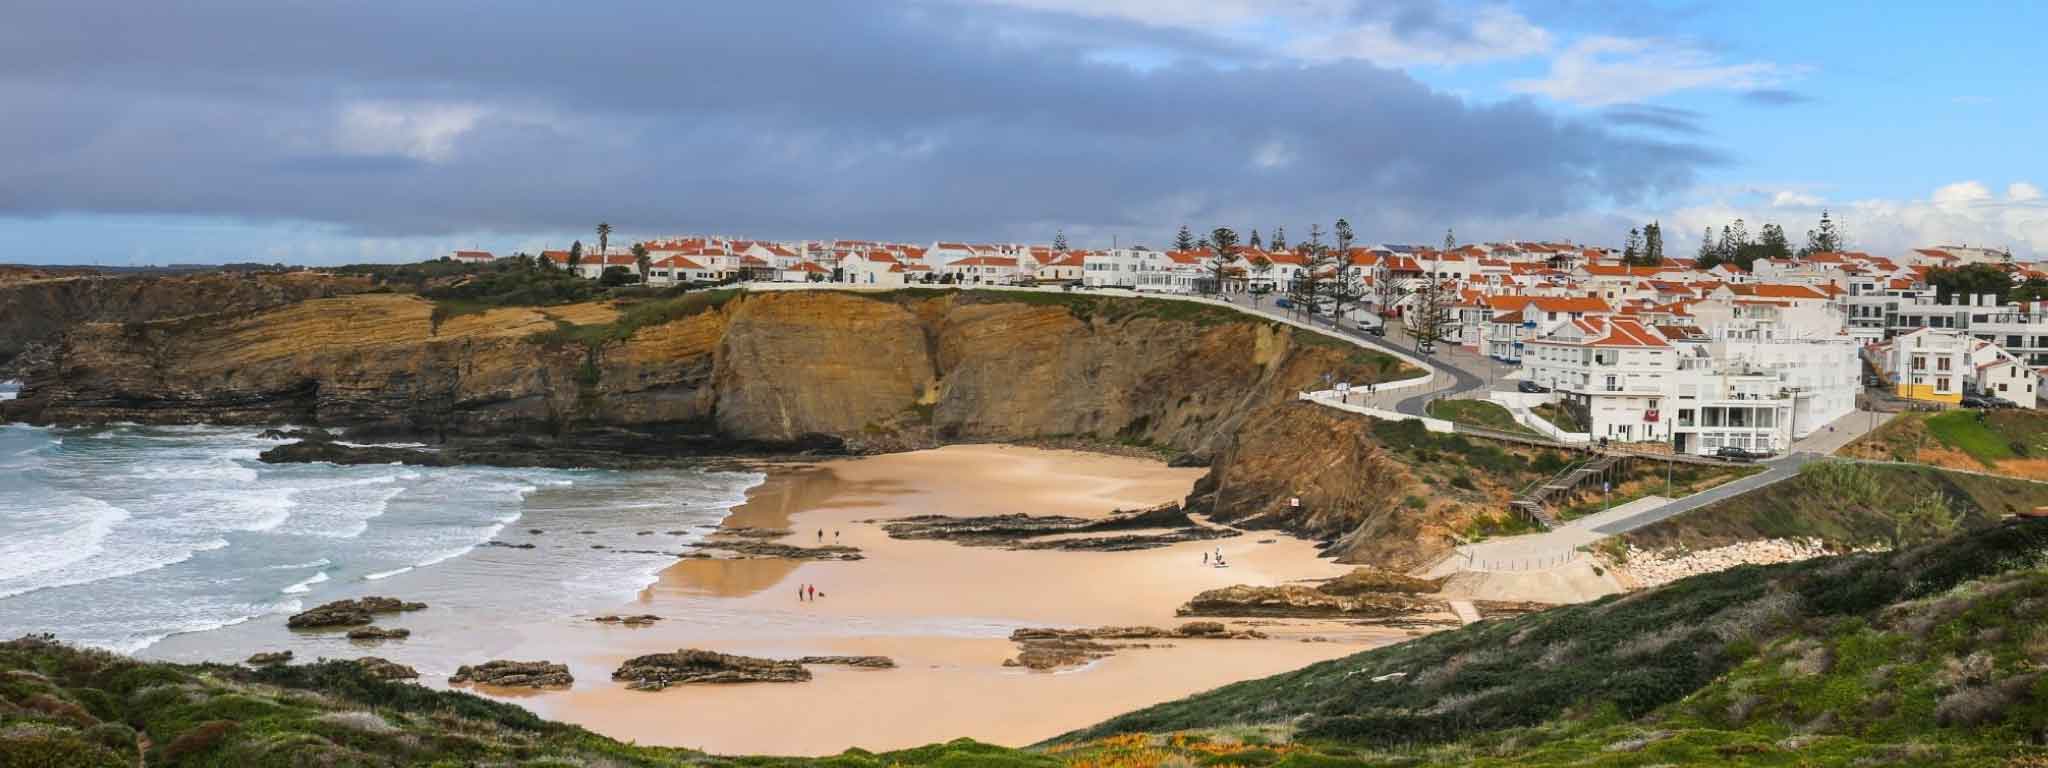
x=806, y=593
x=1215, y=562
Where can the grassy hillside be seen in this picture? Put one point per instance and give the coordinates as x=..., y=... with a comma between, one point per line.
x=1850, y=505
x=2012, y=442
x=1931, y=654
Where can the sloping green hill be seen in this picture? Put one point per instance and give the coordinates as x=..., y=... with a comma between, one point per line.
x=1940, y=644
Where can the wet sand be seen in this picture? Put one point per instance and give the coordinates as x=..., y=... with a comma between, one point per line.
x=941, y=610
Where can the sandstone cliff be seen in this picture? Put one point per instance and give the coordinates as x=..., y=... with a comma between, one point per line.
x=38, y=305
x=878, y=372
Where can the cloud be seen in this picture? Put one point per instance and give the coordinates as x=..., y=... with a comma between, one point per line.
x=428, y=120
x=1671, y=119
x=1776, y=97
x=1489, y=34
x=1961, y=213
x=1601, y=71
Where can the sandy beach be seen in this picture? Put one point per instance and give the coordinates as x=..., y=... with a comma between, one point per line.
x=941, y=610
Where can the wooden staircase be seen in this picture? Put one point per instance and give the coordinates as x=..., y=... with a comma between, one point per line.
x=1534, y=501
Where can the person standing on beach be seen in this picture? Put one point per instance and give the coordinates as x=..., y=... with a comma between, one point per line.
x=800, y=592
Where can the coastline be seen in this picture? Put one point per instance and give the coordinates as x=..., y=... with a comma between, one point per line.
x=943, y=611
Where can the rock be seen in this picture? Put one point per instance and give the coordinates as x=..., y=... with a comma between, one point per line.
x=378, y=633
x=385, y=669
x=864, y=662
x=1305, y=602
x=654, y=672
x=307, y=451
x=1044, y=648
x=270, y=659
x=346, y=613
x=506, y=545
x=515, y=674
x=535, y=531
x=1021, y=531
x=753, y=549
x=630, y=621
x=314, y=433
x=1367, y=580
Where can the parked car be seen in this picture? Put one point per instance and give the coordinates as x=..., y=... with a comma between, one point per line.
x=1732, y=453
x=2000, y=402
x=1283, y=303
x=1377, y=330
x=1977, y=401
x=1531, y=388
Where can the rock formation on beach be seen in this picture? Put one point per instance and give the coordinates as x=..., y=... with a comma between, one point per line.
x=344, y=613
x=639, y=620
x=514, y=674
x=378, y=633
x=656, y=671
x=863, y=662
x=1043, y=649
x=1022, y=531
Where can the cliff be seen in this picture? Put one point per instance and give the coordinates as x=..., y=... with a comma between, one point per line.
x=874, y=371
x=38, y=305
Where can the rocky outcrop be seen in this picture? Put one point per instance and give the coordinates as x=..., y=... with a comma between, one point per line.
x=862, y=662
x=514, y=674
x=854, y=371
x=640, y=620
x=385, y=669
x=1362, y=581
x=1022, y=531
x=1297, y=601
x=755, y=549
x=378, y=633
x=270, y=659
x=1043, y=649
x=36, y=309
x=345, y=613
x=656, y=671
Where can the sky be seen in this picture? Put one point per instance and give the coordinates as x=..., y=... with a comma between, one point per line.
x=213, y=131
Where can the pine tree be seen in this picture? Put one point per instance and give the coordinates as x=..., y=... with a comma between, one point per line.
x=1450, y=240
x=1059, y=241
x=1280, y=238
x=1223, y=244
x=1707, y=257
x=1826, y=239
x=1254, y=241
x=1185, y=241
x=1632, y=249
x=1772, y=244
x=1344, y=237
x=1653, y=244
x=575, y=254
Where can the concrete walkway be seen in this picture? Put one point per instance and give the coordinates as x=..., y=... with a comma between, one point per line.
x=1840, y=432
x=1467, y=613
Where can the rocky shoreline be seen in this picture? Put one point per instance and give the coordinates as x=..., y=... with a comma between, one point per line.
x=1022, y=531
x=1047, y=649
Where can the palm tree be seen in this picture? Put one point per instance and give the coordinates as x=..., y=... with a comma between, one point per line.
x=604, y=237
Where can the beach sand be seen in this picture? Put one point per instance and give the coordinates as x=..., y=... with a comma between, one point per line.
x=941, y=610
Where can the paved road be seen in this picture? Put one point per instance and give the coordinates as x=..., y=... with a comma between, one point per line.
x=1465, y=377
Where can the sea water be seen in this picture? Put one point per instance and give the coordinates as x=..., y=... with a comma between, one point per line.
x=121, y=536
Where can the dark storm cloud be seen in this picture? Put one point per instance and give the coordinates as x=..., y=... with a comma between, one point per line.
x=771, y=118
x=1672, y=119
x=1775, y=97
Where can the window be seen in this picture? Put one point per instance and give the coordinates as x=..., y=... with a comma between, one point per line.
x=1941, y=364
x=1941, y=384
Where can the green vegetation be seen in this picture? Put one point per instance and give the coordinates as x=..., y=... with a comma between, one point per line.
x=1643, y=478
x=1989, y=437
x=1850, y=505
x=634, y=316
x=1926, y=656
x=1966, y=431
x=1478, y=413
x=1558, y=416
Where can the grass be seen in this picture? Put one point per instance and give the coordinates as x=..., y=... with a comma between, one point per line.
x=1991, y=438
x=1559, y=416
x=1967, y=431
x=1572, y=684
x=633, y=317
x=1652, y=478
x=1478, y=413
x=1850, y=505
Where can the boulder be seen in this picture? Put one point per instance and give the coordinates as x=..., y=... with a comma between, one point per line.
x=515, y=674
x=348, y=613
x=385, y=669
x=1046, y=648
x=378, y=633
x=640, y=620
x=270, y=659
x=654, y=672
x=1294, y=600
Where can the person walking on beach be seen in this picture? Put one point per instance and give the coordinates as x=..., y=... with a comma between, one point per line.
x=800, y=592
x=1205, y=558
x=821, y=535
x=814, y=593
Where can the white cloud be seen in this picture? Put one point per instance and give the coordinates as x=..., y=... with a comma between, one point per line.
x=1272, y=155
x=1489, y=34
x=1601, y=71
x=422, y=131
x=1789, y=198
x=1962, y=213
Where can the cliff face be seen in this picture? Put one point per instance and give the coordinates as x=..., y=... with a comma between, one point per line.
x=37, y=306
x=879, y=373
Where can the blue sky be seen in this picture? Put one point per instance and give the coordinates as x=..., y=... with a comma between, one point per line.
x=239, y=130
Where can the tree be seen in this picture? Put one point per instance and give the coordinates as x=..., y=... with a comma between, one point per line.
x=642, y=260
x=1969, y=280
x=1824, y=239
x=1707, y=257
x=1254, y=241
x=575, y=254
x=1653, y=244
x=1059, y=241
x=1450, y=240
x=1280, y=238
x=1344, y=237
x=1771, y=240
x=1632, y=248
x=1185, y=241
x=604, y=239
x=617, y=276
x=2034, y=289
x=1341, y=289
x=1260, y=268
x=1387, y=290
x=1222, y=248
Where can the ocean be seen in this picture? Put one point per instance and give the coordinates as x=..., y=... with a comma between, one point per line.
x=119, y=537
